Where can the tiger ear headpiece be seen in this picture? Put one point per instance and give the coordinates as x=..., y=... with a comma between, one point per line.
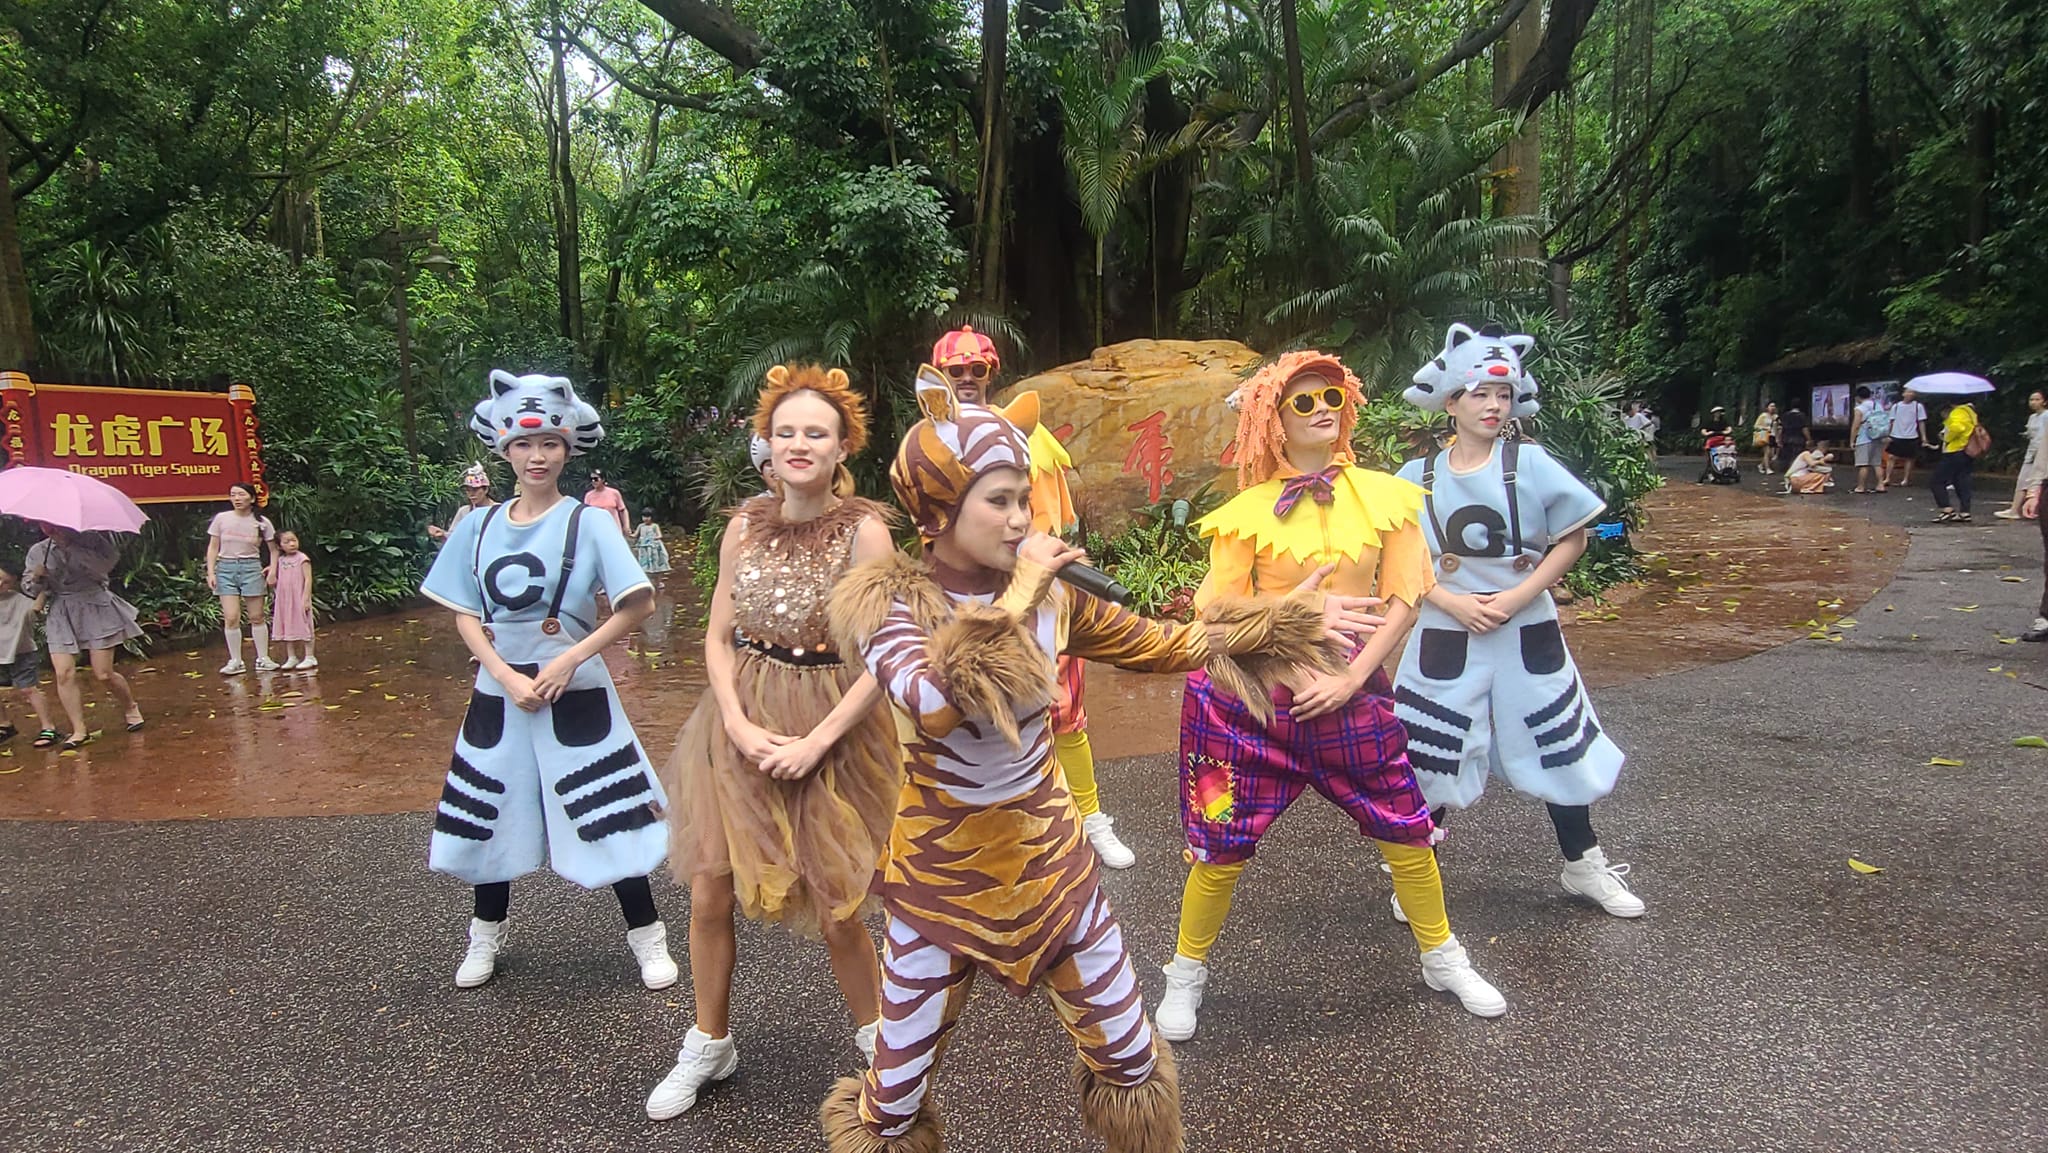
x=1486, y=356
x=953, y=446
x=534, y=406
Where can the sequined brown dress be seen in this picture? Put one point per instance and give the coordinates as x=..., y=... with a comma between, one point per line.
x=800, y=852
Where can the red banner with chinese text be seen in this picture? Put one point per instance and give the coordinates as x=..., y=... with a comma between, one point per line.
x=155, y=445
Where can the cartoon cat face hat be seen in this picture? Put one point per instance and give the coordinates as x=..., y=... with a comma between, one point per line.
x=532, y=406
x=952, y=447
x=1487, y=356
x=475, y=476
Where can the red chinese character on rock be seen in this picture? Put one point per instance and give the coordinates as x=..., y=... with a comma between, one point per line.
x=1150, y=454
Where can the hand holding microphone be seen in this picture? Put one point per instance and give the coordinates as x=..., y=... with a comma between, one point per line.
x=1068, y=566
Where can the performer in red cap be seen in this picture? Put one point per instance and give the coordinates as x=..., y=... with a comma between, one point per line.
x=969, y=360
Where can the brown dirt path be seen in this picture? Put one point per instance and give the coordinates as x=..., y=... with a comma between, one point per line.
x=370, y=731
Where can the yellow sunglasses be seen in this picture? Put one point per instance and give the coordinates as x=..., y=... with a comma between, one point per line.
x=1306, y=403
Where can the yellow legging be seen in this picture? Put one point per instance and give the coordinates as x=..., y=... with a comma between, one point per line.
x=1077, y=760
x=1206, y=900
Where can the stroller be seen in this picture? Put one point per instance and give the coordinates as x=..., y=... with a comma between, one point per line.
x=1723, y=465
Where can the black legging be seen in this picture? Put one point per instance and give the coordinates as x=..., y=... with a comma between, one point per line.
x=1958, y=469
x=1574, y=824
x=636, y=901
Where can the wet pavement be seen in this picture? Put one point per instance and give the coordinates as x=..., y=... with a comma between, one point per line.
x=284, y=983
x=369, y=731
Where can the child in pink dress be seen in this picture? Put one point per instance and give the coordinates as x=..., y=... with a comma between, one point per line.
x=292, y=621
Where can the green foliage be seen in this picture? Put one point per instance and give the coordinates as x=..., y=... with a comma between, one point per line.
x=1580, y=423
x=1162, y=562
x=709, y=538
x=1607, y=563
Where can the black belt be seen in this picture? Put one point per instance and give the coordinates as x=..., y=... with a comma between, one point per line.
x=802, y=658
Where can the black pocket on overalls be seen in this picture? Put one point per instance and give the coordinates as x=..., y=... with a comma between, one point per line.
x=1542, y=648
x=583, y=717
x=1442, y=657
x=483, y=726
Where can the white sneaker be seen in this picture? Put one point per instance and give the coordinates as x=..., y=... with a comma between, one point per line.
x=1394, y=899
x=288, y=664
x=265, y=665
x=234, y=667
x=1185, y=978
x=701, y=1061
x=1101, y=834
x=1446, y=968
x=2007, y=514
x=864, y=1039
x=650, y=947
x=308, y=664
x=1591, y=876
x=486, y=939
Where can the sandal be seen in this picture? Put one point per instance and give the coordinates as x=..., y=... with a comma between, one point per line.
x=73, y=744
x=1962, y=518
x=46, y=738
x=1944, y=516
x=135, y=726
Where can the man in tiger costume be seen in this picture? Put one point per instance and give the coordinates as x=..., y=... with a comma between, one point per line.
x=987, y=868
x=969, y=360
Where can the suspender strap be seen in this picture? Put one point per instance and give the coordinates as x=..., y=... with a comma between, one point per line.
x=1429, y=464
x=1510, y=453
x=476, y=562
x=568, y=566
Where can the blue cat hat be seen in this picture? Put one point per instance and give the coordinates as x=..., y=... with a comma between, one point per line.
x=531, y=405
x=1487, y=356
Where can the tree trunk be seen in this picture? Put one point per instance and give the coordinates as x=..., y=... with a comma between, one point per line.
x=1983, y=170
x=995, y=146
x=1520, y=192
x=568, y=213
x=1169, y=200
x=608, y=319
x=1297, y=118
x=17, y=325
x=405, y=396
x=1049, y=249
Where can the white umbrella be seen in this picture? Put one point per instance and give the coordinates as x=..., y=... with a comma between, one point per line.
x=1950, y=384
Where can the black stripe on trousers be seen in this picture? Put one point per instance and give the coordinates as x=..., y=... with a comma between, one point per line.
x=599, y=769
x=623, y=821
x=469, y=775
x=611, y=794
x=1403, y=695
x=455, y=798
x=1563, y=757
x=455, y=826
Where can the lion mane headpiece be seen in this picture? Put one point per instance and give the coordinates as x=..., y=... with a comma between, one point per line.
x=833, y=387
x=1486, y=356
x=531, y=406
x=1261, y=440
x=953, y=446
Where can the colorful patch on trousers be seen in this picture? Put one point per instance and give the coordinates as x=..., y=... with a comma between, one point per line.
x=1212, y=786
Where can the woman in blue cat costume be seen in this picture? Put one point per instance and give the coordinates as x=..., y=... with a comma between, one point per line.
x=1486, y=686
x=546, y=766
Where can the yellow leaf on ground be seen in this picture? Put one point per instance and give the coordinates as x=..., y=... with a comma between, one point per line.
x=1945, y=762
x=1816, y=636
x=2008, y=640
x=1995, y=669
x=390, y=697
x=1866, y=870
x=331, y=708
x=2030, y=742
x=1962, y=608
x=2014, y=580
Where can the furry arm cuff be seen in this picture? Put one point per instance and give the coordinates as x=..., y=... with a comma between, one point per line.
x=1256, y=644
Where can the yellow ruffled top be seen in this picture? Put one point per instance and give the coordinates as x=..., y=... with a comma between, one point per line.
x=1052, y=502
x=1372, y=531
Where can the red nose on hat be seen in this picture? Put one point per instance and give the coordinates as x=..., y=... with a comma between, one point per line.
x=529, y=422
x=1500, y=370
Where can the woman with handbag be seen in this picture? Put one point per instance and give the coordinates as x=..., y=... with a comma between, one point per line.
x=1963, y=439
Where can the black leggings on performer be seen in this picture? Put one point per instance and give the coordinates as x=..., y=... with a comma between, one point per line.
x=636, y=901
x=1574, y=823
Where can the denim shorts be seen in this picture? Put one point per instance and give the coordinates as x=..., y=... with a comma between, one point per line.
x=239, y=576
x=25, y=672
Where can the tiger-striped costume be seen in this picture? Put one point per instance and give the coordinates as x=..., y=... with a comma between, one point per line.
x=987, y=867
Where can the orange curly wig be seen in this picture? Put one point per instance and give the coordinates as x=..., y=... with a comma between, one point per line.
x=831, y=385
x=1261, y=440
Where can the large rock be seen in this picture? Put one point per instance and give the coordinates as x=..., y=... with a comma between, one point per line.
x=1144, y=420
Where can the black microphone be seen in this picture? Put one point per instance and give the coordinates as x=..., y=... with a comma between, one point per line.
x=1094, y=582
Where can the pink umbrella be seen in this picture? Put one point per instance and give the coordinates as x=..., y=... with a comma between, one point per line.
x=68, y=500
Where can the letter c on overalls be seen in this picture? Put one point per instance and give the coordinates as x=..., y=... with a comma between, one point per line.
x=530, y=595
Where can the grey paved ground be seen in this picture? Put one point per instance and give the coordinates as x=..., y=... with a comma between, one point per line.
x=284, y=984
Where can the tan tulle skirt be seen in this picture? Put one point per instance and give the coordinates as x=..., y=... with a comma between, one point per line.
x=804, y=852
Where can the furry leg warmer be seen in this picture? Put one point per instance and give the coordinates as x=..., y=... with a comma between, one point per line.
x=1142, y=1118
x=846, y=1132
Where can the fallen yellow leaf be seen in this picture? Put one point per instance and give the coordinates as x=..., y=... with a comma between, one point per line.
x=2030, y=742
x=1866, y=870
x=1945, y=762
x=1962, y=608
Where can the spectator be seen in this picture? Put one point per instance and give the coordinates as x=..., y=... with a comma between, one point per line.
x=1716, y=424
x=2031, y=480
x=476, y=495
x=235, y=543
x=1767, y=438
x=603, y=496
x=1811, y=471
x=1869, y=427
x=1963, y=440
x=2037, y=434
x=1792, y=433
x=1909, y=436
x=68, y=572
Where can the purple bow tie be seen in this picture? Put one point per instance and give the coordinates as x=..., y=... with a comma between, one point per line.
x=1320, y=484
